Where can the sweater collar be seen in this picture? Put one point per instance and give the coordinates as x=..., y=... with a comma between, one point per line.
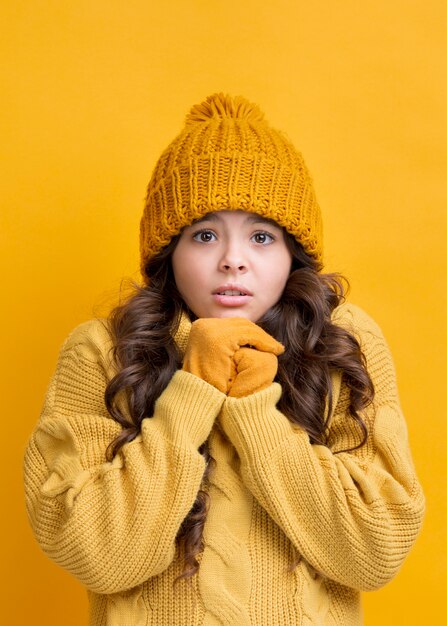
x=182, y=334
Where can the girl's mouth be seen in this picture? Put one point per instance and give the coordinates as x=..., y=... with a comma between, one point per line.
x=232, y=294
x=231, y=298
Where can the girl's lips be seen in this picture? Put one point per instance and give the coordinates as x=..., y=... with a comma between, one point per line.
x=231, y=300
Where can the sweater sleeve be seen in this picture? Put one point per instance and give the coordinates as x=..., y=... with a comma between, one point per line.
x=353, y=516
x=113, y=524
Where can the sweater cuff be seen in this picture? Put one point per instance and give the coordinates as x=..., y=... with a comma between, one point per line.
x=254, y=425
x=185, y=412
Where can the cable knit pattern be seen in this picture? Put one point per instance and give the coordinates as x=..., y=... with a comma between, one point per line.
x=226, y=558
x=345, y=520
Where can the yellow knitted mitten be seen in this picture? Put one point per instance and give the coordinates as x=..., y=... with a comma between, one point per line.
x=213, y=343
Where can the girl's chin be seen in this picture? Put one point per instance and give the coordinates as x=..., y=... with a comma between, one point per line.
x=232, y=313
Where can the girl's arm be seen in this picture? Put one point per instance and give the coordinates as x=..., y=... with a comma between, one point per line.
x=352, y=516
x=113, y=524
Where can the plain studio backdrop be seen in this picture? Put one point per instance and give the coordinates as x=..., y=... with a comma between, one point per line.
x=92, y=92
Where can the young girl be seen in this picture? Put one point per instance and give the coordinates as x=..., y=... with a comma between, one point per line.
x=228, y=448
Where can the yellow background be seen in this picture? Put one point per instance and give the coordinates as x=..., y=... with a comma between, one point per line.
x=94, y=90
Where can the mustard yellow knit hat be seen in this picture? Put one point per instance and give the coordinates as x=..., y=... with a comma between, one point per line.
x=228, y=157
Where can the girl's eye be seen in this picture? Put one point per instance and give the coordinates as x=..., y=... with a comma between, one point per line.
x=263, y=237
x=204, y=236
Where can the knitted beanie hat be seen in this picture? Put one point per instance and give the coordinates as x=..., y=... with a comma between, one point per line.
x=228, y=157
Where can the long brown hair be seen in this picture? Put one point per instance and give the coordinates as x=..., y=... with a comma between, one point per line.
x=147, y=357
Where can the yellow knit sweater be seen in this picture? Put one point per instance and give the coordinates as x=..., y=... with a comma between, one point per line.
x=351, y=517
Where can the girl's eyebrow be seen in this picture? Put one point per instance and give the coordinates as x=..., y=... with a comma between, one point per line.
x=206, y=218
x=263, y=220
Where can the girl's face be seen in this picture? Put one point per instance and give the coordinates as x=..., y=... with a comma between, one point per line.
x=231, y=264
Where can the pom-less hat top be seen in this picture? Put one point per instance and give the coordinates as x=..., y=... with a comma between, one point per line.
x=227, y=157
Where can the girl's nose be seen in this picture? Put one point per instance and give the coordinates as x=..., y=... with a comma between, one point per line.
x=233, y=258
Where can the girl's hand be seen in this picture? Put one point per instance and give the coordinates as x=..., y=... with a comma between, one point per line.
x=213, y=343
x=255, y=370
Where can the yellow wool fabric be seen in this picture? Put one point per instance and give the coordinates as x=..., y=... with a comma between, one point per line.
x=228, y=157
x=350, y=518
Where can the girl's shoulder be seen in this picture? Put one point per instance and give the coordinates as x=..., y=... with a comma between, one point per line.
x=374, y=346
x=358, y=322
x=91, y=340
